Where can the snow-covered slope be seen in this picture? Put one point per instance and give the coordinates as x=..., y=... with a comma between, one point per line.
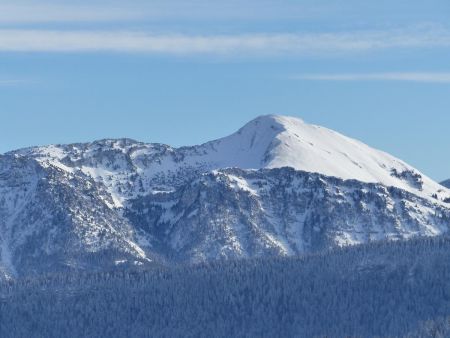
x=108, y=202
x=52, y=220
x=129, y=168
x=235, y=213
x=280, y=141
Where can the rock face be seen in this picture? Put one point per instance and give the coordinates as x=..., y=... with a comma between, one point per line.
x=233, y=213
x=276, y=187
x=52, y=220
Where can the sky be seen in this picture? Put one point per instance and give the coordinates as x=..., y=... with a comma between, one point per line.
x=186, y=72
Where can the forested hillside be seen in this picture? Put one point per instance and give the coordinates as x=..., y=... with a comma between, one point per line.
x=380, y=289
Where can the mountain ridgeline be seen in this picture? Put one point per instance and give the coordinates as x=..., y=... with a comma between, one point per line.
x=277, y=187
x=282, y=229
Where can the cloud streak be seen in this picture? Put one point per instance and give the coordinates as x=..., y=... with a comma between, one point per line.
x=326, y=44
x=35, y=13
x=425, y=77
x=12, y=83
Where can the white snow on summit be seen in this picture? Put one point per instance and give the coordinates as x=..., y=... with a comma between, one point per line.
x=274, y=141
x=280, y=141
x=269, y=141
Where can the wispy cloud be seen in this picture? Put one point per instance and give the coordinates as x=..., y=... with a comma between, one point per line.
x=47, y=11
x=433, y=77
x=331, y=44
x=33, y=12
x=12, y=82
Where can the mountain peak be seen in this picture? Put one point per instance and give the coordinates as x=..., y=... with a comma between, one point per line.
x=276, y=119
x=268, y=141
x=275, y=141
x=272, y=123
x=226, y=198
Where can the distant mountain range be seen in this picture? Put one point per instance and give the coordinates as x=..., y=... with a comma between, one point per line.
x=276, y=187
x=446, y=183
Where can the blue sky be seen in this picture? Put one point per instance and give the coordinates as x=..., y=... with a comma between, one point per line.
x=185, y=72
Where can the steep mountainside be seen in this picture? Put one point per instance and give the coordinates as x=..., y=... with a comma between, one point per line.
x=234, y=213
x=121, y=202
x=53, y=220
x=446, y=183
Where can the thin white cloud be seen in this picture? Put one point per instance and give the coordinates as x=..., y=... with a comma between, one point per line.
x=47, y=11
x=39, y=12
x=432, y=77
x=12, y=82
x=326, y=44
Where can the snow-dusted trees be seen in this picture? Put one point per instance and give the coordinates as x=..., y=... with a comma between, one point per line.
x=381, y=289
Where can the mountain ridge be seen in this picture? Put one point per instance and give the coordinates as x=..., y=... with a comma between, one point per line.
x=268, y=141
x=120, y=202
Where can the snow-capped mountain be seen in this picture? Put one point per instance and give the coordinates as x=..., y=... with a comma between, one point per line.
x=129, y=202
x=446, y=183
x=129, y=168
